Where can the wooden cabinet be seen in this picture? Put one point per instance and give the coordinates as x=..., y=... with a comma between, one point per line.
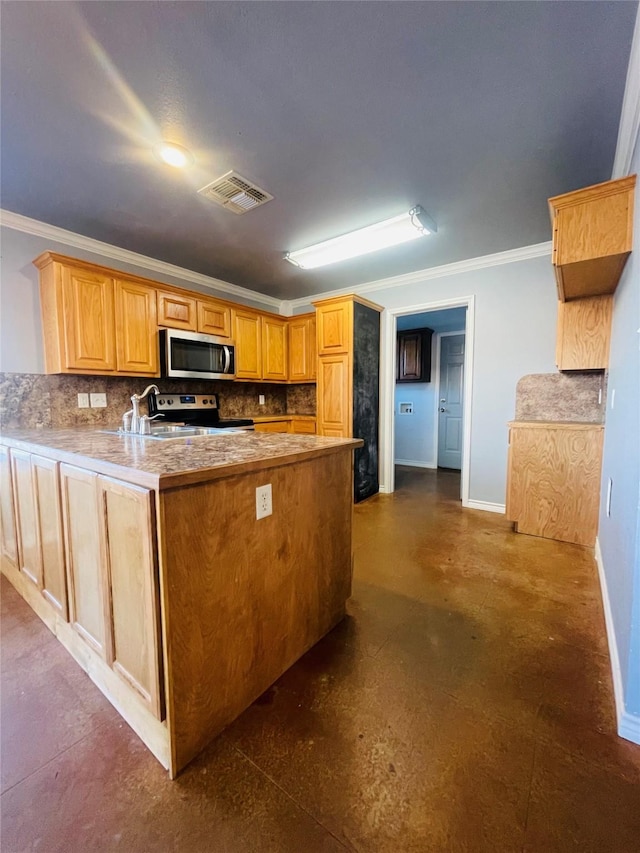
x=95, y=322
x=348, y=330
x=88, y=595
x=273, y=426
x=261, y=346
x=129, y=535
x=592, y=237
x=214, y=318
x=553, y=483
x=136, y=328
x=177, y=311
x=247, y=334
x=29, y=560
x=8, y=540
x=274, y=349
x=302, y=348
x=335, y=326
x=584, y=333
x=78, y=320
x=38, y=528
x=303, y=426
x=414, y=355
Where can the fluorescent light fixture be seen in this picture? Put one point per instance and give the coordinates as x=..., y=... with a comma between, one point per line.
x=173, y=155
x=408, y=226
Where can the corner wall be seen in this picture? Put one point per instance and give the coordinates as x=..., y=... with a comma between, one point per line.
x=619, y=532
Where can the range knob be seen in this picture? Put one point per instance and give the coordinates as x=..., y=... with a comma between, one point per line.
x=169, y=402
x=161, y=402
x=204, y=402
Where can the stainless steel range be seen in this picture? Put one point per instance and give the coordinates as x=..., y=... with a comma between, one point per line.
x=192, y=410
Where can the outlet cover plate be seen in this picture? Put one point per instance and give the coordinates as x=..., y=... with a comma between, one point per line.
x=83, y=401
x=98, y=401
x=264, y=504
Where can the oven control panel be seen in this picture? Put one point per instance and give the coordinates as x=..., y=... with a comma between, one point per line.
x=189, y=402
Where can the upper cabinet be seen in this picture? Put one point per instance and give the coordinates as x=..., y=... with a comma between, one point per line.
x=584, y=333
x=592, y=237
x=97, y=321
x=94, y=323
x=274, y=349
x=414, y=355
x=302, y=348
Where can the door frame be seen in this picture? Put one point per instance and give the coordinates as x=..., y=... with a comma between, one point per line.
x=388, y=383
x=436, y=413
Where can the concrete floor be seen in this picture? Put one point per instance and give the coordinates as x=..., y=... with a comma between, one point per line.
x=465, y=704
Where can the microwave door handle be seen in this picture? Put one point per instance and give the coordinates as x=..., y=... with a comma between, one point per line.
x=227, y=359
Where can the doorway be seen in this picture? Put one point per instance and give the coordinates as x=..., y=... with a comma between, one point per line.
x=445, y=437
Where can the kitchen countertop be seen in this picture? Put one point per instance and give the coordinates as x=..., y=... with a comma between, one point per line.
x=178, y=462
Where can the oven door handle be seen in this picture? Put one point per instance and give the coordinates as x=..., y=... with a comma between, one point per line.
x=227, y=359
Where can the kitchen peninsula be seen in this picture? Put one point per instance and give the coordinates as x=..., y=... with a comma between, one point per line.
x=146, y=559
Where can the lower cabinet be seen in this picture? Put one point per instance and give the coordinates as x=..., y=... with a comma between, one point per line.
x=553, y=480
x=87, y=544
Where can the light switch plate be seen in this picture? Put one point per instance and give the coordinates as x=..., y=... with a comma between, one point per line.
x=98, y=401
x=83, y=401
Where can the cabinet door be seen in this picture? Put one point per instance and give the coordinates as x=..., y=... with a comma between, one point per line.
x=176, y=311
x=303, y=427
x=214, y=318
x=136, y=328
x=409, y=357
x=46, y=482
x=584, y=333
x=302, y=346
x=274, y=349
x=312, y=344
x=128, y=515
x=273, y=426
x=89, y=320
x=29, y=560
x=248, y=342
x=335, y=328
x=7, y=518
x=335, y=397
x=86, y=576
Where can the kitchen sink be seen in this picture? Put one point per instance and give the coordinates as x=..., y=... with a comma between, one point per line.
x=164, y=433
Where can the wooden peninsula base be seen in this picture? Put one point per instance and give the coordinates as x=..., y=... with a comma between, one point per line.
x=181, y=606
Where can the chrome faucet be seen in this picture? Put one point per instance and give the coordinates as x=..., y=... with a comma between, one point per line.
x=131, y=419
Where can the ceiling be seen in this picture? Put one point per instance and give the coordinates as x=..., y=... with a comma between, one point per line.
x=348, y=113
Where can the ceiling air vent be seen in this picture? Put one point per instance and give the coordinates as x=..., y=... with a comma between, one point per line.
x=235, y=193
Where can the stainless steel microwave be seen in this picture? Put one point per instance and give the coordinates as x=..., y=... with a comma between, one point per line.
x=194, y=356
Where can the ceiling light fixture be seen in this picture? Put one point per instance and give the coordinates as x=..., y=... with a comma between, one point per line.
x=408, y=226
x=173, y=155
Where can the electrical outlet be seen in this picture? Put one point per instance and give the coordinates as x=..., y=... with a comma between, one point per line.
x=264, y=505
x=261, y=399
x=613, y=398
x=609, y=490
x=98, y=401
x=83, y=401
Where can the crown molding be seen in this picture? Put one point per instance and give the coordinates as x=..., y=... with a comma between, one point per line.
x=69, y=238
x=538, y=250
x=629, y=127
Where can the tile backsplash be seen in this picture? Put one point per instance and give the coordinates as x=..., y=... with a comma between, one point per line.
x=37, y=400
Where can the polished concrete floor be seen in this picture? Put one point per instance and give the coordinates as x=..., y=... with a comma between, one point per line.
x=465, y=704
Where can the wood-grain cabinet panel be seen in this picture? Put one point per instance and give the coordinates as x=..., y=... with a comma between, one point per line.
x=214, y=318
x=9, y=542
x=302, y=348
x=46, y=481
x=554, y=480
x=176, y=311
x=29, y=558
x=247, y=332
x=128, y=517
x=584, y=333
x=136, y=328
x=274, y=349
x=335, y=328
x=335, y=406
x=89, y=329
x=87, y=583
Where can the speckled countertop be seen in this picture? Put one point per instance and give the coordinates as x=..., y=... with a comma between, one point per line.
x=166, y=464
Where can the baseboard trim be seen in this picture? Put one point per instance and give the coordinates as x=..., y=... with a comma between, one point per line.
x=412, y=463
x=628, y=724
x=486, y=506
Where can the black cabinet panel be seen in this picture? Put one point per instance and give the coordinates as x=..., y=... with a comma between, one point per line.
x=366, y=398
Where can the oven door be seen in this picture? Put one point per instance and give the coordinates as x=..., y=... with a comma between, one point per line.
x=193, y=356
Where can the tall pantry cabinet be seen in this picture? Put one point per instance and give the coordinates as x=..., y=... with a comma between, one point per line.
x=348, y=336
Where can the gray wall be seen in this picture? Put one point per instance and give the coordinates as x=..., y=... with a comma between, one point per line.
x=20, y=324
x=619, y=535
x=515, y=330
